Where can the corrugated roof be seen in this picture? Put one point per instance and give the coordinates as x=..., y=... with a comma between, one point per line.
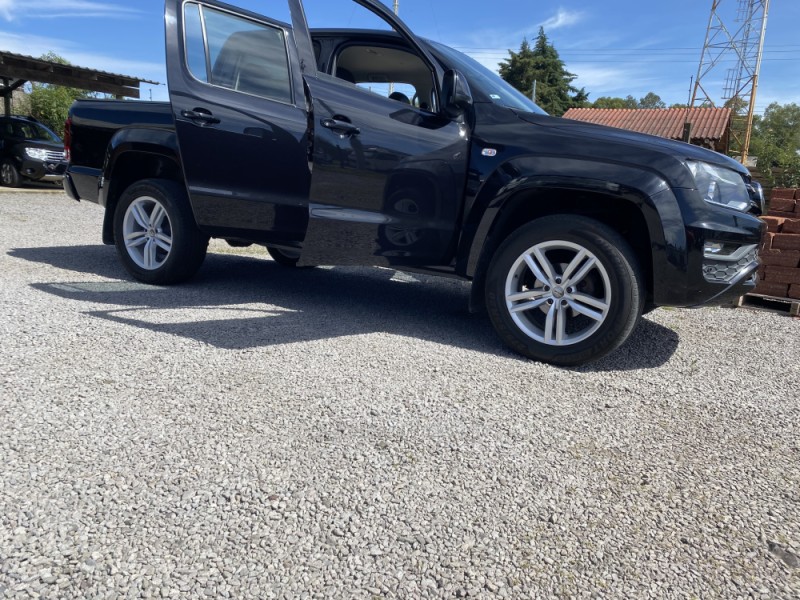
x=707, y=123
x=28, y=68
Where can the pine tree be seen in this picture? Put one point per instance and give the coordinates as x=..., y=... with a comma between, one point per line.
x=554, y=90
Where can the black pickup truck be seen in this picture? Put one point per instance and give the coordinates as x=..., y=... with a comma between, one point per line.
x=362, y=147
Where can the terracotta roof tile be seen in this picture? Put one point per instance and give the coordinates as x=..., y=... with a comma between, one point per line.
x=707, y=123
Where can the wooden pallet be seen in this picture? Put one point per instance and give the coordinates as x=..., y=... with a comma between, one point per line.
x=785, y=305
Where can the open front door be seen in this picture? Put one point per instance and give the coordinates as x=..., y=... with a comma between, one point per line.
x=239, y=107
x=389, y=168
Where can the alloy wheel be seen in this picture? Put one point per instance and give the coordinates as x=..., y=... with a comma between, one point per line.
x=147, y=231
x=558, y=293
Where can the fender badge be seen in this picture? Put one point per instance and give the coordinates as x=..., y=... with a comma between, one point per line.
x=489, y=152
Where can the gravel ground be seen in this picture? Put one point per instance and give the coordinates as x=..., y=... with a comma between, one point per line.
x=355, y=433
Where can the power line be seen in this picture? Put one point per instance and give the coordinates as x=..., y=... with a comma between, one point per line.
x=618, y=51
x=659, y=60
x=568, y=50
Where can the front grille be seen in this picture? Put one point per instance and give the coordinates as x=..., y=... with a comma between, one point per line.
x=54, y=156
x=723, y=269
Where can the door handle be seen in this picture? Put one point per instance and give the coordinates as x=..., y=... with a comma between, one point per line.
x=200, y=115
x=340, y=127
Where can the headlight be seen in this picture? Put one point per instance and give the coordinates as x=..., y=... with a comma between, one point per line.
x=37, y=153
x=719, y=185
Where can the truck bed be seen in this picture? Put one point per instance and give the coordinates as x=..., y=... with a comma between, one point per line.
x=94, y=123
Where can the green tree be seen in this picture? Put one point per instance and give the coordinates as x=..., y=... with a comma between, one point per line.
x=609, y=102
x=776, y=143
x=737, y=105
x=50, y=103
x=652, y=100
x=554, y=90
x=781, y=123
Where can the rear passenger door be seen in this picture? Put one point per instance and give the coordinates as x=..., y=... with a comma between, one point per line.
x=241, y=120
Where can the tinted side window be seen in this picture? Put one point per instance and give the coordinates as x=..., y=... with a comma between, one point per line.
x=236, y=53
x=195, y=46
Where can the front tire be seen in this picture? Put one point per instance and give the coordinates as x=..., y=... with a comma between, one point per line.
x=9, y=175
x=155, y=233
x=565, y=290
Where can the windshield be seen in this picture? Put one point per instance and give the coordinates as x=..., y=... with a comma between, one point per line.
x=488, y=85
x=35, y=132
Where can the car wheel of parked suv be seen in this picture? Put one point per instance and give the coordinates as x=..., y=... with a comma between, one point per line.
x=564, y=289
x=155, y=233
x=9, y=176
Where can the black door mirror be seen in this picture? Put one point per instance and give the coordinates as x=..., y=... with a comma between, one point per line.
x=456, y=94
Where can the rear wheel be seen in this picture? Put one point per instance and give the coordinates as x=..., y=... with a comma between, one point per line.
x=565, y=290
x=9, y=175
x=155, y=233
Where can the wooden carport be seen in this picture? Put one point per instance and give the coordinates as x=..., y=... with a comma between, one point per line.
x=16, y=70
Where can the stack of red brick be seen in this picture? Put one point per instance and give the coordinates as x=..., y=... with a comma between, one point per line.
x=779, y=274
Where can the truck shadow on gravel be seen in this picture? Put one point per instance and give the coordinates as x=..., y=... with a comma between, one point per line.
x=239, y=302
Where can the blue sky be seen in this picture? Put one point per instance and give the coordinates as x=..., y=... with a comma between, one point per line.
x=616, y=47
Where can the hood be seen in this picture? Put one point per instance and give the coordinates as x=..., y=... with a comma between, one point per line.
x=680, y=150
x=40, y=144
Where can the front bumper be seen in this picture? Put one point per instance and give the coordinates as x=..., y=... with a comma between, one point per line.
x=710, y=254
x=743, y=282
x=716, y=279
x=37, y=170
x=69, y=187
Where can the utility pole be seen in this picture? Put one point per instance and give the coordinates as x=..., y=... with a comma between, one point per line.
x=742, y=42
x=7, y=96
x=397, y=12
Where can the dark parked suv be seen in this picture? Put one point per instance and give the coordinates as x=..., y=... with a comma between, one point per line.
x=30, y=152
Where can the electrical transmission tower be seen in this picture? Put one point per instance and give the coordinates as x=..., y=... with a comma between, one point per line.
x=741, y=40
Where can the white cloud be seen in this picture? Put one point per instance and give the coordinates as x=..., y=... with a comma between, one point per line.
x=562, y=18
x=503, y=39
x=33, y=45
x=490, y=46
x=608, y=79
x=11, y=10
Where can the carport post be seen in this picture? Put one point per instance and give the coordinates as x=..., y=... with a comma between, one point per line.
x=687, y=132
x=7, y=91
